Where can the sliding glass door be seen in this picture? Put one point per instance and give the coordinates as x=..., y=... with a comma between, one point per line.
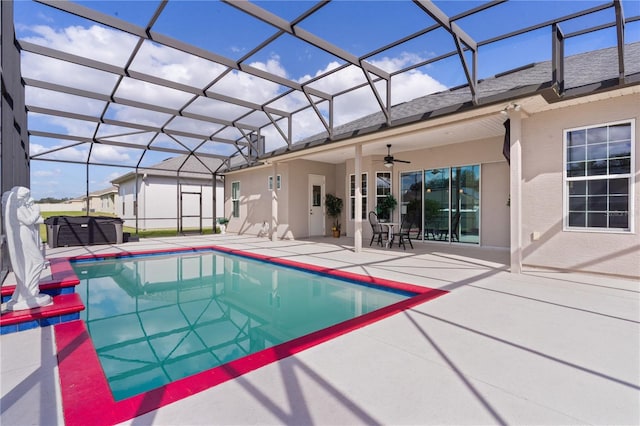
x=411, y=198
x=436, y=204
x=443, y=203
x=465, y=204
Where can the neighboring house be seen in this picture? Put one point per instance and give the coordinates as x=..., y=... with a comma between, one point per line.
x=568, y=200
x=66, y=206
x=102, y=201
x=76, y=204
x=161, y=198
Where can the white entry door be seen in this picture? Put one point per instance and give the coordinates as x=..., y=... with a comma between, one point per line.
x=316, y=205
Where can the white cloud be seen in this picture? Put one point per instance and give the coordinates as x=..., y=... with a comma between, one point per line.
x=108, y=154
x=109, y=45
x=273, y=66
x=47, y=173
x=57, y=100
x=78, y=154
x=95, y=42
x=172, y=64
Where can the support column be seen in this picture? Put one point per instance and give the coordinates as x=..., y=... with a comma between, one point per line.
x=274, y=203
x=357, y=214
x=515, y=172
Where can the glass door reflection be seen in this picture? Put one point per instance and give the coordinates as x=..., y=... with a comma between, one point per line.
x=465, y=204
x=436, y=204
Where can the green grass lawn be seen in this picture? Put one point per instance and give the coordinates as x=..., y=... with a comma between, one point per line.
x=142, y=234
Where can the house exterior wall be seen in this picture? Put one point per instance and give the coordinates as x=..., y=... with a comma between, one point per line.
x=255, y=201
x=542, y=193
x=299, y=191
x=108, y=203
x=293, y=204
x=125, y=207
x=60, y=207
x=160, y=200
x=104, y=203
x=157, y=203
x=494, y=180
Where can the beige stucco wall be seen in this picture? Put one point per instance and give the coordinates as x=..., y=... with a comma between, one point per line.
x=494, y=177
x=158, y=202
x=255, y=201
x=299, y=211
x=542, y=190
x=293, y=206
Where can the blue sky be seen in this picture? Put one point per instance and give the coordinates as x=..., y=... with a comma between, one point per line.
x=355, y=26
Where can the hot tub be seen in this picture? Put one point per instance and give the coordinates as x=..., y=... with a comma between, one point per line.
x=83, y=230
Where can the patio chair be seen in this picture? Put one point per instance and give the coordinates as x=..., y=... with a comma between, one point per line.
x=404, y=233
x=377, y=229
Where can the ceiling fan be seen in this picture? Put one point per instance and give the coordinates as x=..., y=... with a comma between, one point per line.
x=389, y=160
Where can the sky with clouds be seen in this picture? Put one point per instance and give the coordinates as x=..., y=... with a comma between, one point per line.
x=191, y=22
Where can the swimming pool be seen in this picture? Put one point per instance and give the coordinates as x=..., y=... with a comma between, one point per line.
x=157, y=319
x=244, y=328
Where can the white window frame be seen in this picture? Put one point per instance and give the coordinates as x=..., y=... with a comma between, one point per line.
x=365, y=193
x=270, y=182
x=567, y=180
x=378, y=196
x=235, y=199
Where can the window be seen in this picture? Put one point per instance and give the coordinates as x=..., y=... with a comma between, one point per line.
x=317, y=196
x=278, y=182
x=235, y=199
x=598, y=178
x=383, y=188
x=352, y=195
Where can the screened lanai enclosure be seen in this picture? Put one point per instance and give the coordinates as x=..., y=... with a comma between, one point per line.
x=197, y=89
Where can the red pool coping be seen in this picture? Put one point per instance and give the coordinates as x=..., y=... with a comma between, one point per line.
x=62, y=275
x=63, y=304
x=87, y=398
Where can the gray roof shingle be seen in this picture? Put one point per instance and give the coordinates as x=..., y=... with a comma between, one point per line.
x=580, y=70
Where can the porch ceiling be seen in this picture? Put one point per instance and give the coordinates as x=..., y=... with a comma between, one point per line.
x=135, y=77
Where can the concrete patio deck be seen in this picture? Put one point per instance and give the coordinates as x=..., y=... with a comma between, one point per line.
x=537, y=348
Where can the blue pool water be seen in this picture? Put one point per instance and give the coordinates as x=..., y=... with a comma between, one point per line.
x=156, y=319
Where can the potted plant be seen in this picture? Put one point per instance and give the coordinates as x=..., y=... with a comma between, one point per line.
x=386, y=206
x=222, y=224
x=334, y=210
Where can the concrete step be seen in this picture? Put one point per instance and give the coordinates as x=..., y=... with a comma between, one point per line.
x=65, y=307
x=62, y=280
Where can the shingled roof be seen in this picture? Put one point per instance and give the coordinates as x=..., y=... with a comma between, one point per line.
x=186, y=166
x=582, y=70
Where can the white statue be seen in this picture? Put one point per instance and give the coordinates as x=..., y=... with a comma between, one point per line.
x=22, y=220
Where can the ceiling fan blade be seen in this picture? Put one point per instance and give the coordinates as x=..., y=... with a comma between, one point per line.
x=402, y=161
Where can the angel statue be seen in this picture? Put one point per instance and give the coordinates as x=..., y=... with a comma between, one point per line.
x=22, y=219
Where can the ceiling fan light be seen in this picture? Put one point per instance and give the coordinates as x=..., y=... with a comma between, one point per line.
x=388, y=164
